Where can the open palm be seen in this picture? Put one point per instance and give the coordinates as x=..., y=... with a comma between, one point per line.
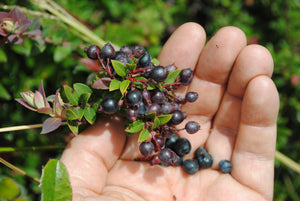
x=237, y=110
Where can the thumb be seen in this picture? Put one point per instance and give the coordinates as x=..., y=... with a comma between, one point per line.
x=90, y=155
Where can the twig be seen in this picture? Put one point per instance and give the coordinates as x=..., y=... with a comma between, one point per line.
x=33, y=148
x=18, y=170
x=287, y=161
x=24, y=127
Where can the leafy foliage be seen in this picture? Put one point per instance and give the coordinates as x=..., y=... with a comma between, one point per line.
x=273, y=24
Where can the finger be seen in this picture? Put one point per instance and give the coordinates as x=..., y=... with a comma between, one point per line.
x=210, y=79
x=90, y=155
x=254, y=151
x=254, y=60
x=182, y=49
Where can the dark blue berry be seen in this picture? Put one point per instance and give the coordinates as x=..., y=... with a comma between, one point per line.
x=167, y=156
x=192, y=127
x=134, y=98
x=146, y=148
x=205, y=161
x=200, y=151
x=177, y=118
x=182, y=146
x=154, y=108
x=159, y=73
x=109, y=105
x=138, y=50
x=158, y=97
x=126, y=49
x=171, y=68
x=166, y=108
x=131, y=114
x=170, y=141
x=225, y=166
x=190, y=166
x=144, y=60
x=191, y=96
x=186, y=76
x=142, y=109
x=93, y=52
x=108, y=51
x=122, y=57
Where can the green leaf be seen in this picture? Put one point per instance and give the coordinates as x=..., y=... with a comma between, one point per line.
x=55, y=182
x=135, y=127
x=119, y=68
x=81, y=88
x=172, y=76
x=9, y=189
x=150, y=86
x=155, y=61
x=78, y=112
x=83, y=99
x=130, y=66
x=73, y=126
x=124, y=85
x=61, y=52
x=71, y=114
x=4, y=93
x=151, y=115
x=163, y=119
x=156, y=123
x=72, y=96
x=144, y=134
x=3, y=57
x=90, y=114
x=114, y=85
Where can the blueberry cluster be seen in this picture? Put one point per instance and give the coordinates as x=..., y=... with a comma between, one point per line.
x=142, y=90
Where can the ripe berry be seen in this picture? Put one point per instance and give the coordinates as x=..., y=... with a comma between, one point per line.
x=146, y=148
x=154, y=108
x=148, y=71
x=179, y=161
x=225, y=166
x=180, y=100
x=143, y=109
x=158, y=97
x=190, y=166
x=167, y=156
x=131, y=114
x=200, y=151
x=170, y=141
x=159, y=74
x=191, y=96
x=146, y=97
x=144, y=60
x=186, y=76
x=177, y=118
x=166, y=108
x=126, y=49
x=109, y=105
x=93, y=52
x=134, y=98
x=138, y=50
x=182, y=146
x=159, y=139
x=192, y=127
x=108, y=51
x=205, y=161
x=155, y=160
x=122, y=57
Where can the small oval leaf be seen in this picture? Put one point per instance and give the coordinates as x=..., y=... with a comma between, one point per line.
x=144, y=134
x=72, y=96
x=55, y=182
x=81, y=88
x=135, y=127
x=114, y=85
x=172, y=76
x=119, y=68
x=50, y=125
x=90, y=114
x=124, y=85
x=163, y=119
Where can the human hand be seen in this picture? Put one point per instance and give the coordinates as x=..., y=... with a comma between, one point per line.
x=236, y=109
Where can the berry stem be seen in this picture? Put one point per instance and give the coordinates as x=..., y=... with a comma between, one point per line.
x=172, y=95
x=139, y=70
x=156, y=143
x=105, y=67
x=170, y=85
x=137, y=80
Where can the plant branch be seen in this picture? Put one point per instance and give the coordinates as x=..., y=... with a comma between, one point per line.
x=33, y=148
x=24, y=127
x=18, y=170
x=62, y=14
x=287, y=161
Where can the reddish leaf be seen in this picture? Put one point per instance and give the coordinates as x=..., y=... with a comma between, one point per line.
x=45, y=110
x=50, y=125
x=100, y=84
x=22, y=102
x=93, y=65
x=42, y=91
x=38, y=100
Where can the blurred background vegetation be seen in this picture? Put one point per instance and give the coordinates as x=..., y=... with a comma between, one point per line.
x=271, y=23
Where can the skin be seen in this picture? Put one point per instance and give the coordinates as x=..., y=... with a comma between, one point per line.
x=237, y=109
